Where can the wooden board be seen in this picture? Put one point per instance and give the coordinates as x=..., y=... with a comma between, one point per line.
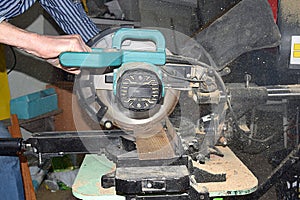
x=154, y=145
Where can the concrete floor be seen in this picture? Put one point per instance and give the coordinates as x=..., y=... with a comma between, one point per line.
x=45, y=194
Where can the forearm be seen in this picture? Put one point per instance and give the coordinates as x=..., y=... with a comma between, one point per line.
x=43, y=46
x=20, y=38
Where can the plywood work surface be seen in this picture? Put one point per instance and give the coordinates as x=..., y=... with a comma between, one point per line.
x=239, y=179
x=87, y=184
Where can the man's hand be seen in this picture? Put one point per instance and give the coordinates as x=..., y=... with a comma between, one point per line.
x=54, y=45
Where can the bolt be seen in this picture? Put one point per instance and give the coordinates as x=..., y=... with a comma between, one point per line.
x=223, y=141
x=140, y=77
x=247, y=79
x=200, y=157
x=108, y=124
x=227, y=70
x=149, y=185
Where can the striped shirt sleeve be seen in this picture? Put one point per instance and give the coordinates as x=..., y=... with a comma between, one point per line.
x=12, y=8
x=71, y=17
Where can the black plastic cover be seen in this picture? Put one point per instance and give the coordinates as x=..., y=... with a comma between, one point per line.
x=247, y=26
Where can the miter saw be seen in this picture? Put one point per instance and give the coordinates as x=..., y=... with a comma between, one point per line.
x=159, y=116
x=158, y=121
x=138, y=94
x=143, y=89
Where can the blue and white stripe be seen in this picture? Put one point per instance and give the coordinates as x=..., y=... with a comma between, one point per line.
x=70, y=16
x=12, y=8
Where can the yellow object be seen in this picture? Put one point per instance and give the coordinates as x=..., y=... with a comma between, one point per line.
x=297, y=47
x=4, y=88
x=85, y=6
x=296, y=54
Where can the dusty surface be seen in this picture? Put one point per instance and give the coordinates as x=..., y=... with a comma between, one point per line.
x=291, y=10
x=44, y=194
x=236, y=174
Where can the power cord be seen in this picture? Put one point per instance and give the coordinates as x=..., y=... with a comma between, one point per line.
x=14, y=60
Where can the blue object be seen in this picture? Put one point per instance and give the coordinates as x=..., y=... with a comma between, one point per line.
x=11, y=184
x=35, y=104
x=99, y=58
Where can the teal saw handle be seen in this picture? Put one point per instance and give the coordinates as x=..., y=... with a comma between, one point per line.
x=157, y=57
x=96, y=59
x=99, y=58
x=139, y=34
